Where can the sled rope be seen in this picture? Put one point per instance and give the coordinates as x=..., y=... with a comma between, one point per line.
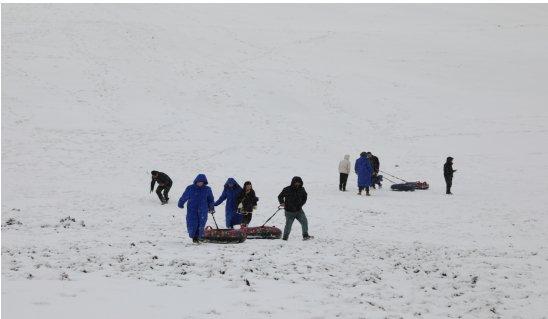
x=388, y=179
x=396, y=177
x=213, y=215
x=279, y=208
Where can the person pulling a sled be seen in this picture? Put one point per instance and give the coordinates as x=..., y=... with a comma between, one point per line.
x=164, y=185
x=247, y=203
x=231, y=191
x=363, y=169
x=292, y=198
x=376, y=165
x=344, y=170
x=448, y=175
x=200, y=201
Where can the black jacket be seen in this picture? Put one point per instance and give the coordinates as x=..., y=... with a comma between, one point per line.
x=375, y=163
x=293, y=197
x=162, y=179
x=248, y=201
x=448, y=170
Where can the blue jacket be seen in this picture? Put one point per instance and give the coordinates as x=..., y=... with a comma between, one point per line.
x=231, y=209
x=200, y=201
x=364, y=170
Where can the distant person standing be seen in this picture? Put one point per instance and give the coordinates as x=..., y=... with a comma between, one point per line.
x=164, y=185
x=376, y=165
x=448, y=174
x=344, y=170
x=363, y=169
x=292, y=198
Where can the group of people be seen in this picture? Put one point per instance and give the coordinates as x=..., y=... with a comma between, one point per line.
x=240, y=203
x=366, y=167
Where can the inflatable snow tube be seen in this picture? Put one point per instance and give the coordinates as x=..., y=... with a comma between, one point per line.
x=224, y=236
x=418, y=185
x=406, y=187
x=262, y=232
x=421, y=185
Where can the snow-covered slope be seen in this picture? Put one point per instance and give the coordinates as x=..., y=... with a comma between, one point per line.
x=96, y=96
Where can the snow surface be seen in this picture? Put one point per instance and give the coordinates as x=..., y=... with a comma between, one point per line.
x=96, y=96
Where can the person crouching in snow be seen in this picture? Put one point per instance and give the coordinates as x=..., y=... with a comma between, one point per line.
x=231, y=191
x=164, y=185
x=292, y=198
x=200, y=202
x=247, y=203
x=364, y=171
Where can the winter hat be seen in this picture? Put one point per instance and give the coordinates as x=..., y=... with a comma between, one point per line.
x=154, y=172
x=449, y=159
x=363, y=154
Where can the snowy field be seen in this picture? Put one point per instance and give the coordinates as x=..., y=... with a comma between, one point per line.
x=96, y=96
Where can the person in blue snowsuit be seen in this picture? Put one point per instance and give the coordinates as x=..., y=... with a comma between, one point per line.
x=364, y=170
x=200, y=202
x=230, y=193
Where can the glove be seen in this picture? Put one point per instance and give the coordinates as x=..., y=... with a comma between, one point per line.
x=282, y=205
x=212, y=211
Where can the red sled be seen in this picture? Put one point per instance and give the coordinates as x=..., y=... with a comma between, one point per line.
x=224, y=236
x=262, y=232
x=421, y=185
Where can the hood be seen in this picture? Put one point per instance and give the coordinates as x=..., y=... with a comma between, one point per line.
x=233, y=181
x=347, y=157
x=200, y=178
x=449, y=159
x=297, y=179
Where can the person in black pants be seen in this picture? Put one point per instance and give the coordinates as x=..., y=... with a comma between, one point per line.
x=376, y=164
x=448, y=174
x=247, y=203
x=164, y=185
x=292, y=198
x=344, y=170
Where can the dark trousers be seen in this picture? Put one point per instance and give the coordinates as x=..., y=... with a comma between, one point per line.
x=360, y=189
x=165, y=189
x=342, y=181
x=375, y=180
x=290, y=218
x=448, y=184
x=247, y=219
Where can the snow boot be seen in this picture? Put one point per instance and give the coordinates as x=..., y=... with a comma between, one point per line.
x=307, y=237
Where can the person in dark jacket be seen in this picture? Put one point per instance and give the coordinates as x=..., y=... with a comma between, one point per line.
x=164, y=185
x=247, y=203
x=363, y=169
x=231, y=191
x=448, y=175
x=292, y=198
x=200, y=202
x=376, y=165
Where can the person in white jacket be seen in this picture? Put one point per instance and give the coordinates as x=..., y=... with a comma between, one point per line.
x=344, y=170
